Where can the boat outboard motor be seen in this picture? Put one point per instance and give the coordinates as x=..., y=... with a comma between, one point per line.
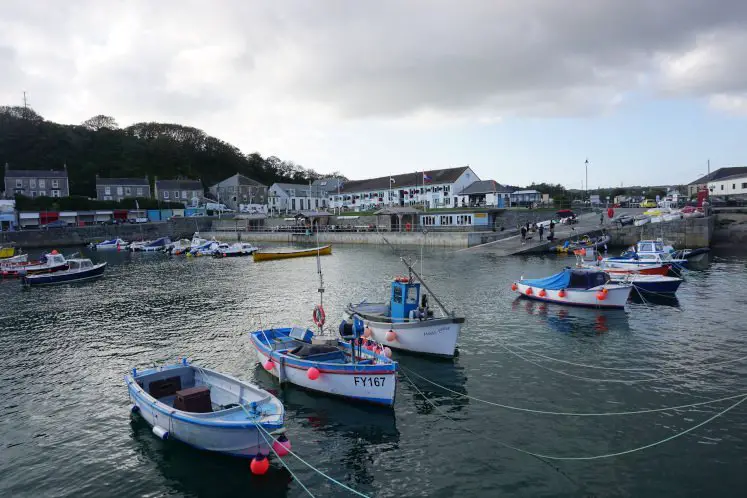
x=346, y=330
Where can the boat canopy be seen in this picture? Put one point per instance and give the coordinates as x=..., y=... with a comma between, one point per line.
x=570, y=279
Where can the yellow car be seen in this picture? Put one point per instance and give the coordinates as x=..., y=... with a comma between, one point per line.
x=648, y=203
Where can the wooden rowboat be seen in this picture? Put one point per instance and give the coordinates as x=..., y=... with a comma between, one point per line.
x=300, y=253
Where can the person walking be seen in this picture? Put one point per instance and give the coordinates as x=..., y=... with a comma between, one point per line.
x=523, y=233
x=541, y=230
x=601, y=218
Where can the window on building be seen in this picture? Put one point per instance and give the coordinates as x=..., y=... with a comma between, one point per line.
x=733, y=186
x=184, y=194
x=42, y=193
x=196, y=194
x=120, y=191
x=32, y=183
x=107, y=197
x=128, y=191
x=744, y=185
x=293, y=204
x=139, y=191
x=55, y=184
x=33, y=193
x=55, y=193
x=176, y=194
x=165, y=194
x=722, y=187
x=19, y=183
x=42, y=184
x=107, y=191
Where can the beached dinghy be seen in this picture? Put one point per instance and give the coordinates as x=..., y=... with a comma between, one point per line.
x=205, y=409
x=354, y=370
x=576, y=287
x=407, y=322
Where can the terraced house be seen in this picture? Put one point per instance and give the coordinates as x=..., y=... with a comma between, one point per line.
x=188, y=192
x=36, y=183
x=116, y=189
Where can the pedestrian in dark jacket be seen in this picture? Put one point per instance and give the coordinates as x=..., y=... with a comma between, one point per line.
x=541, y=230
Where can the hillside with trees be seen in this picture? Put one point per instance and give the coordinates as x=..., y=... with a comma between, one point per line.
x=100, y=146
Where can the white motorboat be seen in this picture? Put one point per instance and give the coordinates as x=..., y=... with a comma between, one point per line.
x=576, y=287
x=110, y=245
x=234, y=250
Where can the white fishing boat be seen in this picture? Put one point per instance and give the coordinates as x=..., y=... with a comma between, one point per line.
x=79, y=270
x=178, y=247
x=205, y=409
x=407, y=322
x=18, y=258
x=138, y=246
x=110, y=245
x=234, y=250
x=576, y=287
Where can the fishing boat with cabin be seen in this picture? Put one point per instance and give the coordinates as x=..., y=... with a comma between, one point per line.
x=79, y=270
x=206, y=409
x=49, y=263
x=576, y=287
x=299, y=253
x=234, y=250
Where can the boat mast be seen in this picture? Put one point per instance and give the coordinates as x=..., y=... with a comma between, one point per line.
x=319, y=271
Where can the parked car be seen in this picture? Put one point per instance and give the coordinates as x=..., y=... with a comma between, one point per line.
x=623, y=220
x=56, y=224
x=648, y=203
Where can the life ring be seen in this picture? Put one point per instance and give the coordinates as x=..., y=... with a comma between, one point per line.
x=402, y=279
x=318, y=315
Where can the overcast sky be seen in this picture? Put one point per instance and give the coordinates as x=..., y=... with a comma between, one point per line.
x=522, y=91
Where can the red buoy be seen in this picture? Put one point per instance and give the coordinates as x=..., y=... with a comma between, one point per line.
x=260, y=465
x=561, y=293
x=529, y=291
x=391, y=336
x=282, y=445
x=514, y=286
x=601, y=296
x=312, y=373
x=269, y=365
x=542, y=293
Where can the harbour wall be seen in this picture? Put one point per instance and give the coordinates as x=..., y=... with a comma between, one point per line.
x=432, y=239
x=689, y=232
x=730, y=229
x=77, y=236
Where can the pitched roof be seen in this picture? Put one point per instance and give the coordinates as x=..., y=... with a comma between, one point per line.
x=35, y=173
x=720, y=174
x=237, y=180
x=179, y=184
x=732, y=177
x=302, y=189
x=328, y=184
x=449, y=175
x=140, y=182
x=485, y=187
x=397, y=210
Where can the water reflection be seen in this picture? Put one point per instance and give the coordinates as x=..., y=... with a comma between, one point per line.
x=574, y=320
x=446, y=372
x=192, y=472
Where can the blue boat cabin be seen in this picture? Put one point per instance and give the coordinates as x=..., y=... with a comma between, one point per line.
x=405, y=299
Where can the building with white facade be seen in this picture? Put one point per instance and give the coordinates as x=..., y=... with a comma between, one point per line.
x=431, y=189
x=485, y=193
x=296, y=197
x=734, y=185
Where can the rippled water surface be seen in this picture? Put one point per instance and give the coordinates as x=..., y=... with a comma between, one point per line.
x=65, y=427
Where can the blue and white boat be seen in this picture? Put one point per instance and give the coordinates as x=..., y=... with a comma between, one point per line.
x=652, y=284
x=576, y=287
x=358, y=370
x=78, y=270
x=206, y=409
x=110, y=245
x=156, y=245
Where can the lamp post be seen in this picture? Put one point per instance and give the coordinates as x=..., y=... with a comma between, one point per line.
x=586, y=192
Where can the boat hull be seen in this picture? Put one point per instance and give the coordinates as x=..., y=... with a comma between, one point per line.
x=236, y=437
x=268, y=256
x=373, y=383
x=58, y=278
x=433, y=337
x=617, y=296
x=660, y=285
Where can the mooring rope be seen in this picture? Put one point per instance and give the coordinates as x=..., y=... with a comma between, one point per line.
x=613, y=381
x=574, y=414
x=294, y=476
x=591, y=457
x=330, y=478
x=642, y=370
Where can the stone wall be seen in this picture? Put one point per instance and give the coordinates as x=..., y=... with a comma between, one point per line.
x=434, y=239
x=730, y=230
x=77, y=236
x=686, y=233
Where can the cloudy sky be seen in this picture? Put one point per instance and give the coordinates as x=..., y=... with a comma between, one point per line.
x=522, y=91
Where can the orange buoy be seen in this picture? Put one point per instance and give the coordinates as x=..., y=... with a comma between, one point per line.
x=542, y=293
x=514, y=286
x=391, y=336
x=260, y=464
x=269, y=365
x=561, y=293
x=312, y=373
x=529, y=291
x=605, y=290
x=601, y=296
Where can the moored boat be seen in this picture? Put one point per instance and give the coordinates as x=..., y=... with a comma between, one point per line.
x=110, y=245
x=234, y=250
x=576, y=287
x=299, y=253
x=407, y=322
x=206, y=409
x=49, y=263
x=79, y=270
x=653, y=284
x=7, y=251
x=18, y=258
x=331, y=366
x=154, y=246
x=585, y=242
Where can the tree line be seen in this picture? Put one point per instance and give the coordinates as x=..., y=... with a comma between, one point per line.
x=98, y=146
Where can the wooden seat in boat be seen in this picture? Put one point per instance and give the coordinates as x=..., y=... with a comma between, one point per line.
x=194, y=399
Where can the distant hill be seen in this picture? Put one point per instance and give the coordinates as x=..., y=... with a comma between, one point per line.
x=99, y=146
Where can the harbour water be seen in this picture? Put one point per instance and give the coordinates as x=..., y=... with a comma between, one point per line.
x=66, y=430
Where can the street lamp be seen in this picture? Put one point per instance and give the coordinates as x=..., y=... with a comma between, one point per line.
x=586, y=192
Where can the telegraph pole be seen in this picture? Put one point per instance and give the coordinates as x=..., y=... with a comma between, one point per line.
x=586, y=192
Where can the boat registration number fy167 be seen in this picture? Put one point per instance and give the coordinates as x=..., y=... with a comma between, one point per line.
x=369, y=381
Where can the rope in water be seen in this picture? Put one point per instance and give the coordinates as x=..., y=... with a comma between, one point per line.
x=598, y=367
x=330, y=478
x=592, y=457
x=294, y=476
x=575, y=414
x=613, y=381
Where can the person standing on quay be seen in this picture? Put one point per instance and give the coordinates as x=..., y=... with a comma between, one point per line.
x=541, y=230
x=523, y=233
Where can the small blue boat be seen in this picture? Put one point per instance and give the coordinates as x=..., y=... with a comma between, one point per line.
x=79, y=270
x=653, y=284
x=206, y=409
x=358, y=370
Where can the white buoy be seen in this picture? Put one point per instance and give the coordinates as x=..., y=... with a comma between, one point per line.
x=160, y=432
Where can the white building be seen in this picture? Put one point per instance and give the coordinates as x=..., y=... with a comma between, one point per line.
x=485, y=193
x=432, y=189
x=730, y=185
x=295, y=197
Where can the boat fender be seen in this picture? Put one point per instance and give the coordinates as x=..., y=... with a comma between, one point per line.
x=134, y=409
x=561, y=293
x=601, y=296
x=260, y=465
x=312, y=373
x=529, y=291
x=542, y=293
x=281, y=445
x=514, y=286
x=391, y=336
x=160, y=432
